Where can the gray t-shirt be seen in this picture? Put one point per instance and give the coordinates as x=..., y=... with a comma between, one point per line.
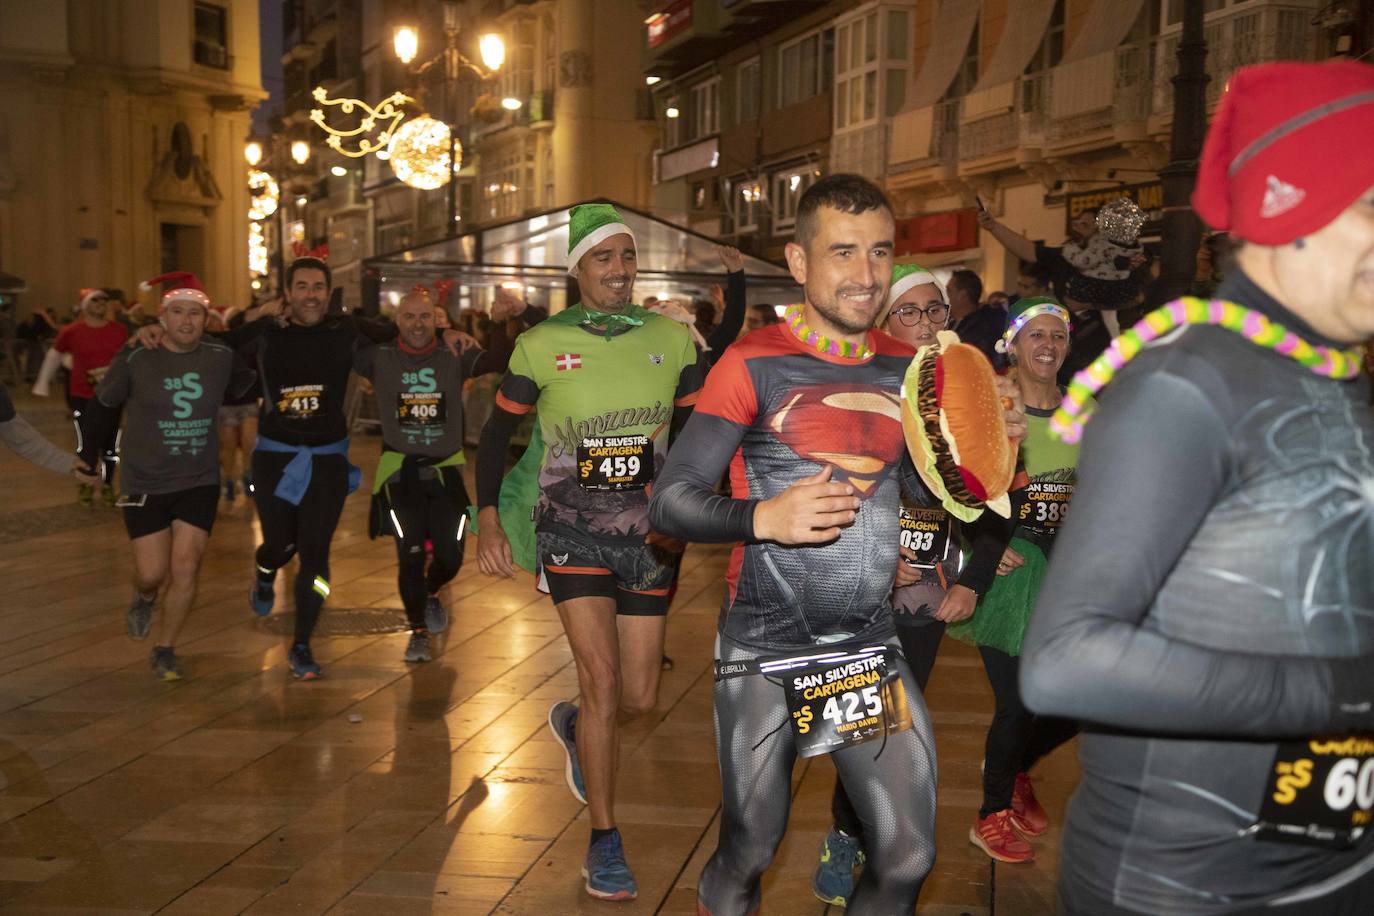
x=419, y=396
x=171, y=401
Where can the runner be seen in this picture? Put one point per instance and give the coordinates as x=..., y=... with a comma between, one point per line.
x=1209, y=609
x=170, y=481
x=806, y=416
x=419, y=495
x=608, y=378
x=92, y=341
x=28, y=443
x=238, y=431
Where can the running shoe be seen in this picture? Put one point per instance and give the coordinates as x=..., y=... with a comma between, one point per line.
x=107, y=495
x=1027, y=814
x=302, y=663
x=563, y=724
x=833, y=882
x=417, y=650
x=139, y=619
x=261, y=598
x=996, y=836
x=436, y=615
x=608, y=877
x=85, y=495
x=229, y=490
x=166, y=666
x=247, y=481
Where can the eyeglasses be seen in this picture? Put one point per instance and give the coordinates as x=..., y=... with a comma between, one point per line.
x=910, y=314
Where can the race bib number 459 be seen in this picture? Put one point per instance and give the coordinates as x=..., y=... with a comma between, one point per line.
x=843, y=701
x=300, y=401
x=1320, y=792
x=615, y=463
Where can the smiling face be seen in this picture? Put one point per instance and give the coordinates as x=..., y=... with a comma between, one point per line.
x=1083, y=226
x=308, y=297
x=184, y=322
x=96, y=307
x=912, y=316
x=415, y=320
x=606, y=274
x=1041, y=347
x=845, y=268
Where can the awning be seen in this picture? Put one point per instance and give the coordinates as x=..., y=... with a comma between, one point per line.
x=1105, y=27
x=1021, y=36
x=954, y=22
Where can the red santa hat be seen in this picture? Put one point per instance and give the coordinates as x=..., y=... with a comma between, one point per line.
x=87, y=292
x=1288, y=149
x=182, y=285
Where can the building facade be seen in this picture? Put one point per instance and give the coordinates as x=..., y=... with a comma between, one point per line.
x=1036, y=107
x=122, y=128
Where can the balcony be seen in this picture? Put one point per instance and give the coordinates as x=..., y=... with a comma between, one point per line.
x=1004, y=118
x=923, y=137
x=1100, y=95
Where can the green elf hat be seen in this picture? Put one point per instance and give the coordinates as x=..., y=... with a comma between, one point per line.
x=904, y=277
x=1024, y=310
x=588, y=226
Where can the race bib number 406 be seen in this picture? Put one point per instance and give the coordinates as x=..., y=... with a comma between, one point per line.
x=842, y=701
x=421, y=408
x=300, y=401
x=925, y=531
x=615, y=463
x=1320, y=792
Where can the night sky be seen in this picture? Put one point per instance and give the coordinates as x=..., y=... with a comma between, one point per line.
x=269, y=19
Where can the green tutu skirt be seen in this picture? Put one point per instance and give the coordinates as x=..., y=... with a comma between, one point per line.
x=1002, y=614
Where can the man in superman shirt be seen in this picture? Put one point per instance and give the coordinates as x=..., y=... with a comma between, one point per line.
x=805, y=414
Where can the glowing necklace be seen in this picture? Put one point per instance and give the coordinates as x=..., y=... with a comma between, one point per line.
x=817, y=341
x=1073, y=414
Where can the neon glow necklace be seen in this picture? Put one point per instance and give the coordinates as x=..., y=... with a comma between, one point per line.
x=796, y=321
x=1069, y=420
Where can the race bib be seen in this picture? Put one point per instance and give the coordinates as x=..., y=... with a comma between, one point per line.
x=1045, y=507
x=840, y=699
x=421, y=408
x=1320, y=792
x=615, y=463
x=301, y=401
x=927, y=532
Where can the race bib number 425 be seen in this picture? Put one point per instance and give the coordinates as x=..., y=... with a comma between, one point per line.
x=843, y=701
x=300, y=401
x=615, y=463
x=1320, y=792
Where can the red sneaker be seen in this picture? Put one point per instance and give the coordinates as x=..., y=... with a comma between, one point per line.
x=995, y=835
x=1027, y=814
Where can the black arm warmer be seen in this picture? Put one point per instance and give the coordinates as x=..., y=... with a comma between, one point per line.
x=684, y=503
x=491, y=455
x=733, y=319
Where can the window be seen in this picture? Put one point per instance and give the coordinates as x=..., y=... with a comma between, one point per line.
x=211, y=48
x=967, y=77
x=1051, y=50
x=516, y=75
x=871, y=67
x=788, y=187
x=672, y=121
x=703, y=109
x=805, y=66
x=748, y=82
x=746, y=202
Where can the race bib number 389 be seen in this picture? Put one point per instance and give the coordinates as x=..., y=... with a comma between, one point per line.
x=615, y=463
x=1320, y=792
x=843, y=701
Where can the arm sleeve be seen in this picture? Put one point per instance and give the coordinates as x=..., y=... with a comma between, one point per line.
x=63, y=343
x=1087, y=653
x=242, y=377
x=517, y=395
x=365, y=360
x=29, y=444
x=376, y=330
x=733, y=319
x=496, y=356
x=684, y=503
x=988, y=536
x=244, y=334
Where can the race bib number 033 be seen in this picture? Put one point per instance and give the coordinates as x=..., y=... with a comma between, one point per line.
x=926, y=531
x=300, y=401
x=615, y=463
x=841, y=701
x=421, y=408
x=1320, y=792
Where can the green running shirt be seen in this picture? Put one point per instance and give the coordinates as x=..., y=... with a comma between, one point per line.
x=597, y=393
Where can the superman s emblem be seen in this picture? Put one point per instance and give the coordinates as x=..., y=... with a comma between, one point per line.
x=857, y=429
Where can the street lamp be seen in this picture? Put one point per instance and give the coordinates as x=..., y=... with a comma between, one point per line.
x=511, y=103
x=252, y=152
x=406, y=42
x=300, y=152
x=493, y=51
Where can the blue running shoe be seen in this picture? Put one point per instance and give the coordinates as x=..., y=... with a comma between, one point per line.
x=608, y=877
x=436, y=615
x=303, y=664
x=261, y=598
x=563, y=724
x=833, y=881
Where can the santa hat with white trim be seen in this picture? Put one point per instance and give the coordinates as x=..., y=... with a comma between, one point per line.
x=180, y=284
x=904, y=278
x=588, y=226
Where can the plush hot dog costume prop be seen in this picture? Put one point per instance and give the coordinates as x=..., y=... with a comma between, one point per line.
x=955, y=430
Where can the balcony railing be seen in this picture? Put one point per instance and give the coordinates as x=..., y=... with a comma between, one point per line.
x=922, y=136
x=1021, y=126
x=862, y=151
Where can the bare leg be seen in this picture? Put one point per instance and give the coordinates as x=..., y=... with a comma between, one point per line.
x=152, y=558
x=641, y=661
x=188, y=546
x=590, y=623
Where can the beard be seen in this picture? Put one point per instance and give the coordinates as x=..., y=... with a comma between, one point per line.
x=830, y=309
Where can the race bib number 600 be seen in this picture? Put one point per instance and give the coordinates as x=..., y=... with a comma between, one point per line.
x=844, y=701
x=1320, y=792
x=615, y=463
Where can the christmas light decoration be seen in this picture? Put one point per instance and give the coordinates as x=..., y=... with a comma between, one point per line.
x=387, y=114
x=263, y=194
x=419, y=153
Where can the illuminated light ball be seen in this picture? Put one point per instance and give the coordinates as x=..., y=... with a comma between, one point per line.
x=263, y=194
x=419, y=152
x=1121, y=220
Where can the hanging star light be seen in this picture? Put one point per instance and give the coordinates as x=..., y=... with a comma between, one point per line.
x=263, y=194
x=420, y=153
x=387, y=113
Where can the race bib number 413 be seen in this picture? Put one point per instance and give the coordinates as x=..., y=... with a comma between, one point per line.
x=1320, y=792
x=615, y=463
x=843, y=701
x=300, y=401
